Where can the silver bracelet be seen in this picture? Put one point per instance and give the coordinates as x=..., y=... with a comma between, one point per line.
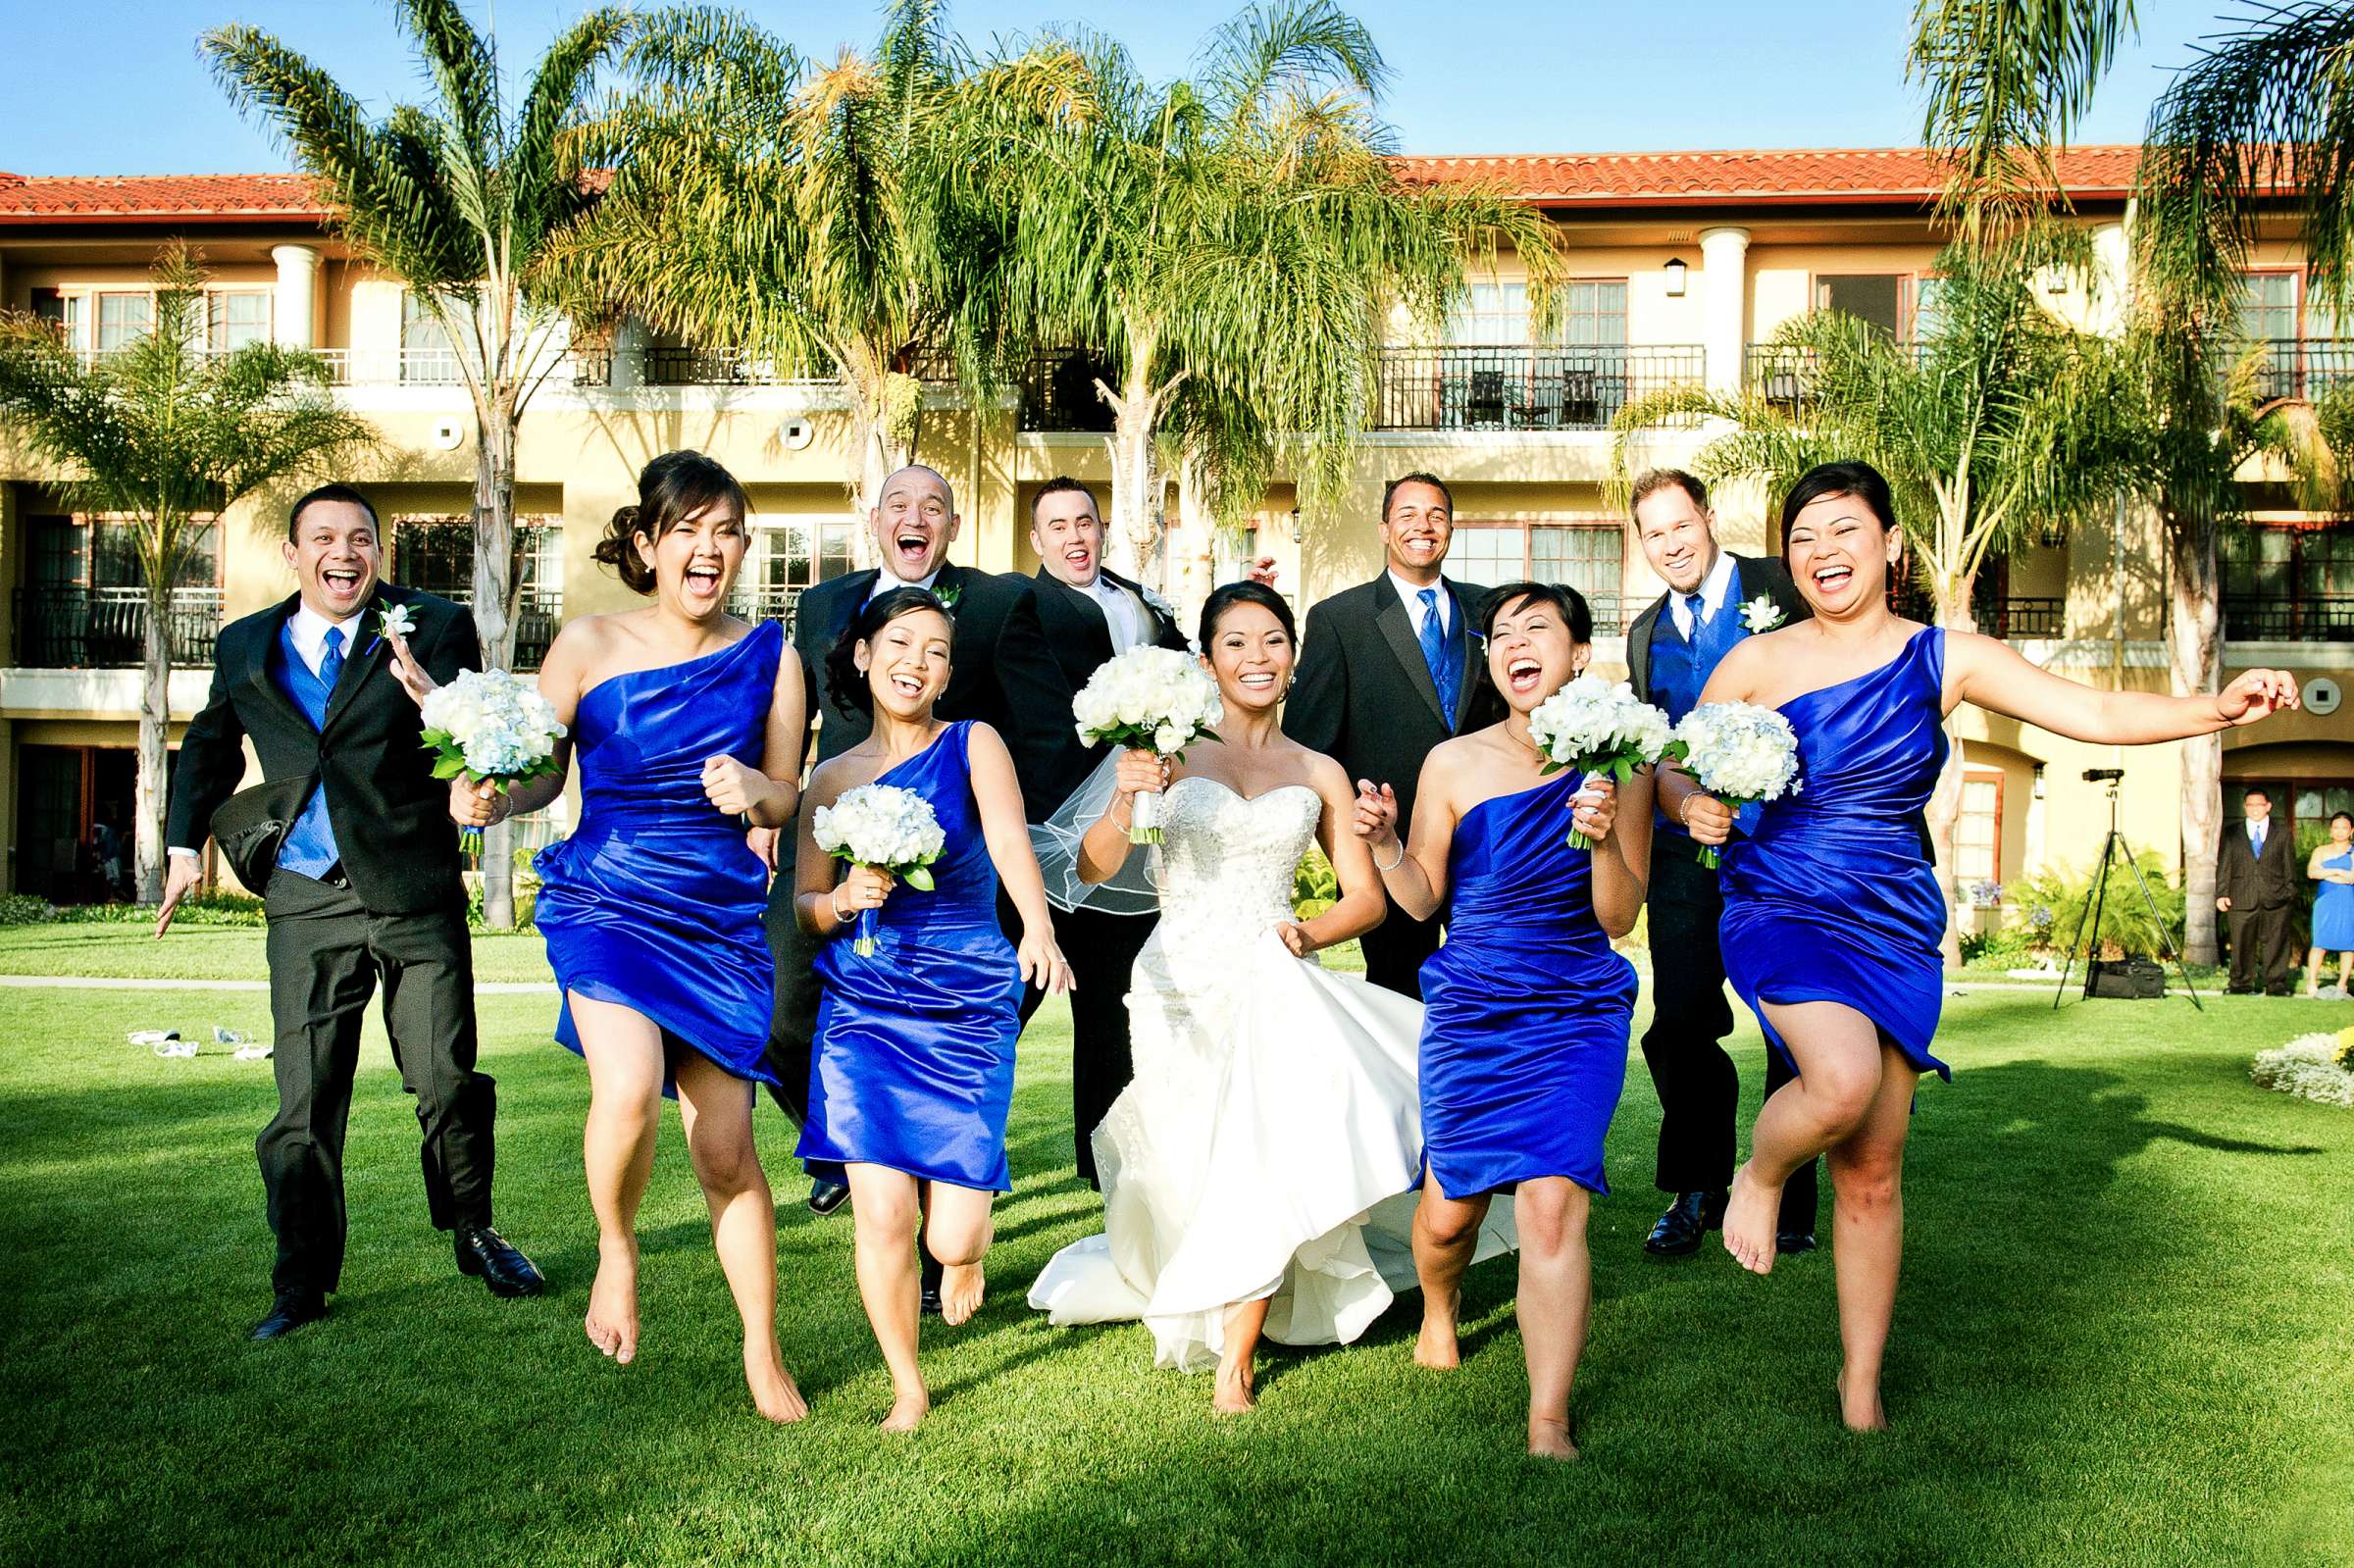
x=1395, y=864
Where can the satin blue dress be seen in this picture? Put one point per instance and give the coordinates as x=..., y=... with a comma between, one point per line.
x=1831, y=898
x=914, y=1068
x=2333, y=909
x=1526, y=1007
x=654, y=902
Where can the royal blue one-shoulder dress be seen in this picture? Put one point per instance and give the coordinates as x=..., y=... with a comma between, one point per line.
x=914, y=1068
x=654, y=902
x=1527, y=1005
x=1831, y=898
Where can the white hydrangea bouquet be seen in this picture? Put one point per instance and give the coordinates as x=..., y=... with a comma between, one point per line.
x=1150, y=700
x=1740, y=753
x=888, y=828
x=1602, y=728
x=487, y=724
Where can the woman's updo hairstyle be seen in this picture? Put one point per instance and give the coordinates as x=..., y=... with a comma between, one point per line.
x=846, y=683
x=1234, y=594
x=1563, y=600
x=670, y=490
x=1858, y=480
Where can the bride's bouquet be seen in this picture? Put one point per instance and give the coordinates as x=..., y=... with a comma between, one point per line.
x=1150, y=700
x=888, y=828
x=1740, y=753
x=489, y=725
x=1599, y=728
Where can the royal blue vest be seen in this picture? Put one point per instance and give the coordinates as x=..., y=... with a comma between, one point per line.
x=1680, y=668
x=309, y=848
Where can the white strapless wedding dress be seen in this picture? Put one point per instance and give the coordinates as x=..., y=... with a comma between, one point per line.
x=1272, y=1137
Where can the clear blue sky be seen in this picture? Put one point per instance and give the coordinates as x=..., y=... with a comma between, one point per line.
x=118, y=87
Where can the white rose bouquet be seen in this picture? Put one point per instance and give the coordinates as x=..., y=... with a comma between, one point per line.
x=1599, y=728
x=888, y=828
x=489, y=725
x=1152, y=699
x=1740, y=753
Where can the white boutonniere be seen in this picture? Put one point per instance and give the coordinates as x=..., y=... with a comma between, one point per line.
x=1761, y=614
x=947, y=595
x=393, y=620
x=1157, y=604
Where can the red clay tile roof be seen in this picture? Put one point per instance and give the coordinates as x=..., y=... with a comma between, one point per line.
x=1798, y=176
x=144, y=198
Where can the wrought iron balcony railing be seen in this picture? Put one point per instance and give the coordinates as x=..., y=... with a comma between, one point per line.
x=1505, y=388
x=2303, y=367
x=68, y=627
x=766, y=602
x=2028, y=617
x=2289, y=616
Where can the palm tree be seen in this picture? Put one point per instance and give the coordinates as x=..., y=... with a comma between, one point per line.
x=162, y=432
x=1994, y=425
x=1229, y=247
x=459, y=201
x=800, y=215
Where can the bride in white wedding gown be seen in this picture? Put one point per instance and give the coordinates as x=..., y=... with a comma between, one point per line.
x=1259, y=1172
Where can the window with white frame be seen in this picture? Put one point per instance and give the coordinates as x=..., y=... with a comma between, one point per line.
x=123, y=317
x=787, y=554
x=425, y=354
x=237, y=317
x=1978, y=833
x=1592, y=314
x=1589, y=557
x=69, y=313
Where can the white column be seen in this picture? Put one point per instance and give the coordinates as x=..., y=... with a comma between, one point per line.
x=1724, y=299
x=2113, y=265
x=296, y=305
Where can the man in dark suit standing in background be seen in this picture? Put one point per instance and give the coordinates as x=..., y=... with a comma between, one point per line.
x=1714, y=599
x=2256, y=892
x=1386, y=671
x=1000, y=671
x=351, y=846
x=1089, y=613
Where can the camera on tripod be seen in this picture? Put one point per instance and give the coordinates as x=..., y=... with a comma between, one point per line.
x=2103, y=774
x=2137, y=977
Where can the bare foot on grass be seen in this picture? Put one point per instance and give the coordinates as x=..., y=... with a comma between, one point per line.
x=612, y=1321
x=1436, y=1347
x=774, y=1392
x=1549, y=1438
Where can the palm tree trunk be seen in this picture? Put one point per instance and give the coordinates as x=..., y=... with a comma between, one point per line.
x=155, y=720
x=493, y=612
x=2194, y=650
x=1137, y=486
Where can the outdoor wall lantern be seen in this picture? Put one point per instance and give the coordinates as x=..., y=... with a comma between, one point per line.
x=1295, y=530
x=1675, y=277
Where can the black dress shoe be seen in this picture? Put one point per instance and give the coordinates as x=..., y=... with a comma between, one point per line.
x=931, y=1300
x=491, y=1258
x=290, y=1311
x=825, y=1197
x=1690, y=1217
x=1789, y=1244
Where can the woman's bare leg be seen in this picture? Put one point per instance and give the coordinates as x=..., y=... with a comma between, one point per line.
x=1446, y=1235
x=1230, y=1394
x=885, y=1213
x=1867, y=1237
x=624, y=1051
x=2313, y=971
x=717, y=1110
x=958, y=1228
x=1556, y=1296
x=1837, y=1051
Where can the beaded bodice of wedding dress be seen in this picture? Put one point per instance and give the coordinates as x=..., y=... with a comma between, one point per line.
x=1227, y=864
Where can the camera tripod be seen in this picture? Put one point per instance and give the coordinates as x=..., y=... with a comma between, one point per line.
x=2113, y=850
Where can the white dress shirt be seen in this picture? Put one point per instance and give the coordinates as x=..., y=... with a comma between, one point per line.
x=1713, y=590
x=308, y=629
x=884, y=582
x=1121, y=613
x=1411, y=593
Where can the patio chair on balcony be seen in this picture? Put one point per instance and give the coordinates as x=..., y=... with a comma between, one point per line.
x=1581, y=400
x=1485, y=408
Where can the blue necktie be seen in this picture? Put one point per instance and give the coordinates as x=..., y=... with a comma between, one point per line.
x=331, y=659
x=1434, y=651
x=1692, y=607
x=2256, y=838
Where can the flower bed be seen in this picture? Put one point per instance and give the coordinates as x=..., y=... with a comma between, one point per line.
x=2313, y=1067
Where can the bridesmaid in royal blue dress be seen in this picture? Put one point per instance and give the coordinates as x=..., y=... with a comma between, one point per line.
x=686, y=721
x=1528, y=1008
x=913, y=1076
x=1832, y=911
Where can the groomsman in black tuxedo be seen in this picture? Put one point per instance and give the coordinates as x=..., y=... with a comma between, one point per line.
x=1387, y=670
x=1714, y=599
x=349, y=839
x=1091, y=613
x=1001, y=673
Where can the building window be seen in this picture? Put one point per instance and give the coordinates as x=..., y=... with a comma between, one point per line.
x=1978, y=835
x=1496, y=315
x=69, y=313
x=427, y=357
x=1874, y=297
x=2288, y=584
x=235, y=318
x=121, y=318
x=74, y=822
x=787, y=555
x=435, y=555
x=1594, y=313
x=1589, y=557
x=1491, y=314
x=2268, y=306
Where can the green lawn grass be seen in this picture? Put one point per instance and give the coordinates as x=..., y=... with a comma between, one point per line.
x=2124, y=1337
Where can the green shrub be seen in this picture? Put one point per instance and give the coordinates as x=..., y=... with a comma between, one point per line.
x=24, y=909
x=197, y=909
x=1315, y=885
x=2051, y=907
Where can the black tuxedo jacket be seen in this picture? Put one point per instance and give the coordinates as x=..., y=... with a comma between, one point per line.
x=2258, y=882
x=1080, y=640
x=1362, y=693
x=1000, y=671
x=390, y=814
x=1759, y=575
